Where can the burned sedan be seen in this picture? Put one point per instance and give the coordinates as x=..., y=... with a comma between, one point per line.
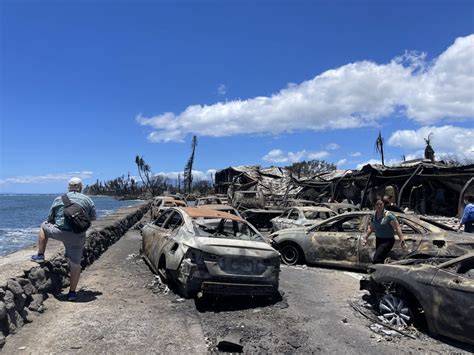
x=337, y=241
x=432, y=292
x=208, y=251
x=301, y=217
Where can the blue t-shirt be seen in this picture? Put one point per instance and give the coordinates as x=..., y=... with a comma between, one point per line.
x=468, y=218
x=56, y=212
x=382, y=226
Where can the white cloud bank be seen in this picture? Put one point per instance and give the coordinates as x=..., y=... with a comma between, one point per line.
x=46, y=179
x=457, y=140
x=354, y=95
x=198, y=175
x=279, y=156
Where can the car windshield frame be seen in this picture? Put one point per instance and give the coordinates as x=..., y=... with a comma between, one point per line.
x=219, y=228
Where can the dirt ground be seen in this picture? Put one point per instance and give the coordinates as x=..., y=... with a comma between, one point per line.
x=124, y=308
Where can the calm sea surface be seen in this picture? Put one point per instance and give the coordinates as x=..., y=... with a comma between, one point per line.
x=21, y=216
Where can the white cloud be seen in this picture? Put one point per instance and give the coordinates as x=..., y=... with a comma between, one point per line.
x=379, y=162
x=222, y=89
x=354, y=95
x=332, y=146
x=45, y=179
x=355, y=154
x=278, y=156
x=341, y=162
x=457, y=140
x=197, y=174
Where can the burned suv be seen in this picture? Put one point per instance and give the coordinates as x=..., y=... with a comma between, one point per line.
x=208, y=251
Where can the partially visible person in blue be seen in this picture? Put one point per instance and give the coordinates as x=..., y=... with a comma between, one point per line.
x=468, y=215
x=56, y=227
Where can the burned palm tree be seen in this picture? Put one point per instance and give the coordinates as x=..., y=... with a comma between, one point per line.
x=429, y=151
x=144, y=171
x=188, y=169
x=379, y=147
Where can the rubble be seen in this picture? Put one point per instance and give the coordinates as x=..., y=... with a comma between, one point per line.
x=231, y=342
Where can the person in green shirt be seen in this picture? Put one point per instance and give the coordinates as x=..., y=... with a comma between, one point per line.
x=385, y=225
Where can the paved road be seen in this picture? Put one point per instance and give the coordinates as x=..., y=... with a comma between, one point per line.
x=124, y=308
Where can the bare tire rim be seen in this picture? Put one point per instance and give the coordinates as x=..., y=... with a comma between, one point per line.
x=290, y=254
x=395, y=311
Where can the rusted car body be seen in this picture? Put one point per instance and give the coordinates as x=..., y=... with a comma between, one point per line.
x=301, y=217
x=339, y=208
x=436, y=291
x=208, y=251
x=208, y=200
x=222, y=208
x=161, y=203
x=337, y=241
x=296, y=202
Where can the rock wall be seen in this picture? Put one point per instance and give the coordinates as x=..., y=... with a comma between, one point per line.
x=24, y=294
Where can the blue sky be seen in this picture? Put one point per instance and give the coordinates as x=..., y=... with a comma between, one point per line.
x=87, y=85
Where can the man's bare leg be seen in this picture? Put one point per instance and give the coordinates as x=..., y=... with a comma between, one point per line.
x=75, y=270
x=42, y=241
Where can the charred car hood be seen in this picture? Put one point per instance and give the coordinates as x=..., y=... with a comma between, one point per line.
x=290, y=231
x=221, y=246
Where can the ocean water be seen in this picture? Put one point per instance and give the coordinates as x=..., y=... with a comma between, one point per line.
x=21, y=216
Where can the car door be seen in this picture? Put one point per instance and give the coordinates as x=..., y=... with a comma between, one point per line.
x=336, y=242
x=453, y=294
x=413, y=234
x=153, y=235
x=292, y=219
x=281, y=220
x=171, y=227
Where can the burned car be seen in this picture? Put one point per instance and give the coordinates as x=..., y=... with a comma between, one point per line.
x=208, y=200
x=207, y=251
x=301, y=217
x=337, y=241
x=222, y=208
x=161, y=203
x=296, y=202
x=435, y=293
x=339, y=208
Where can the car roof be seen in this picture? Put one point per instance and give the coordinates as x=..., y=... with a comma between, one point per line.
x=312, y=208
x=195, y=212
x=217, y=207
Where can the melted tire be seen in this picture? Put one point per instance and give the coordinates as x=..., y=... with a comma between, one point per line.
x=290, y=254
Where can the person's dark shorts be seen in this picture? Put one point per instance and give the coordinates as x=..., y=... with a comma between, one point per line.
x=73, y=243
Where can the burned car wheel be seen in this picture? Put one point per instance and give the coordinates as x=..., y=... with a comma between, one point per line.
x=396, y=310
x=291, y=254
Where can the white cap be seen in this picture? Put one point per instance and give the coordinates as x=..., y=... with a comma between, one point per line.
x=75, y=181
x=75, y=184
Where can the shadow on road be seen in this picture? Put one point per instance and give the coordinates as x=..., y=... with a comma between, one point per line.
x=83, y=296
x=218, y=304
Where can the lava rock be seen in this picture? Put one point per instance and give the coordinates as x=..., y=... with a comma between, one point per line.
x=9, y=300
x=20, y=301
x=3, y=310
x=15, y=287
x=36, y=303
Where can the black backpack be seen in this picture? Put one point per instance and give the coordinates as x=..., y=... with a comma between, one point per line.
x=75, y=215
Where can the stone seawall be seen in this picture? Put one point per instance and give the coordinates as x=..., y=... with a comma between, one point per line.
x=24, y=285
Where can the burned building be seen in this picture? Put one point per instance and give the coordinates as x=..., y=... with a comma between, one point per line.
x=275, y=183
x=423, y=186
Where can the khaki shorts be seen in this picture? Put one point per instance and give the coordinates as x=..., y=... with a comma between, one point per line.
x=73, y=243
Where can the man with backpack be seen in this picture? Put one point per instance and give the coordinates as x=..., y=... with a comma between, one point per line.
x=68, y=219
